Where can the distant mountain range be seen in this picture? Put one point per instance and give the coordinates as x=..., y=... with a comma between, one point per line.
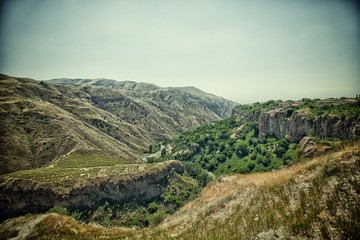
x=40, y=121
x=171, y=96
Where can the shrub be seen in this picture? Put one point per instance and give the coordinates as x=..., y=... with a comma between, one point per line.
x=59, y=210
x=152, y=207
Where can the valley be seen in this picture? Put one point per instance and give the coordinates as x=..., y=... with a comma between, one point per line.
x=317, y=198
x=89, y=158
x=41, y=122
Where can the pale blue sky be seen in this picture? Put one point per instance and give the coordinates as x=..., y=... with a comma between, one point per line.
x=246, y=51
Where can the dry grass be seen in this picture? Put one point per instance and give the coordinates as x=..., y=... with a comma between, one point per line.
x=292, y=201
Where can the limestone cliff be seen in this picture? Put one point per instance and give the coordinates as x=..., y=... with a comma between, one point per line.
x=85, y=188
x=296, y=125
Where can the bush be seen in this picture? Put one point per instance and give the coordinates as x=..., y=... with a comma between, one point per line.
x=59, y=210
x=203, y=178
x=153, y=207
x=156, y=218
x=251, y=165
x=280, y=151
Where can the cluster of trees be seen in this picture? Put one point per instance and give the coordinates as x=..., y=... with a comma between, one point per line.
x=141, y=213
x=229, y=146
x=332, y=106
x=336, y=106
x=260, y=106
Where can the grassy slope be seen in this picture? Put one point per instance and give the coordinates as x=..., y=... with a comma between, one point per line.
x=41, y=122
x=317, y=198
x=77, y=169
x=344, y=107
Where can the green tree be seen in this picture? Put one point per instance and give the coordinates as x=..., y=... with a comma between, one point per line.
x=203, y=178
x=163, y=152
x=59, y=210
x=250, y=165
x=280, y=151
x=152, y=207
x=242, y=150
x=213, y=163
x=221, y=157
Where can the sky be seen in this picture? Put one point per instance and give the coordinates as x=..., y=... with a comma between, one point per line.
x=245, y=51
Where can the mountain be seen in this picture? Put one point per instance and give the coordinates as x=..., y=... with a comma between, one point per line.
x=41, y=121
x=187, y=99
x=70, y=152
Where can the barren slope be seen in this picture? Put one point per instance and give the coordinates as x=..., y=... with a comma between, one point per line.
x=40, y=122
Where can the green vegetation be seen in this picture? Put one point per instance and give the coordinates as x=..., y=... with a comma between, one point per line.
x=138, y=213
x=337, y=211
x=59, y=210
x=260, y=106
x=318, y=201
x=228, y=146
x=60, y=175
x=153, y=148
x=197, y=172
x=343, y=107
x=333, y=107
x=90, y=160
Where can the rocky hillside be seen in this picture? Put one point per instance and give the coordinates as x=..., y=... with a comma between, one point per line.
x=187, y=100
x=314, y=199
x=331, y=118
x=38, y=190
x=40, y=121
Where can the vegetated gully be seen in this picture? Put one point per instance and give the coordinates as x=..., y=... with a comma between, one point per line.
x=145, y=156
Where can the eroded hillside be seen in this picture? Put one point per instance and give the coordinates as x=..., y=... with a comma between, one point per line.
x=40, y=121
x=189, y=100
x=38, y=190
x=316, y=198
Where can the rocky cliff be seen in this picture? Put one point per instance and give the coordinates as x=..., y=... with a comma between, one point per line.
x=295, y=125
x=38, y=191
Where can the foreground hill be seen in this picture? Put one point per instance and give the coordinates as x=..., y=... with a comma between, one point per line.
x=74, y=187
x=40, y=121
x=316, y=198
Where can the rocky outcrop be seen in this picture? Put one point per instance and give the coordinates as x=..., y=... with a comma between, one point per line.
x=296, y=125
x=311, y=147
x=21, y=195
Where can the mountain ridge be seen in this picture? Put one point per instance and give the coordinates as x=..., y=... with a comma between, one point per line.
x=137, y=89
x=41, y=121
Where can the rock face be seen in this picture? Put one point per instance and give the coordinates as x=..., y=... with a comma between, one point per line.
x=299, y=124
x=20, y=195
